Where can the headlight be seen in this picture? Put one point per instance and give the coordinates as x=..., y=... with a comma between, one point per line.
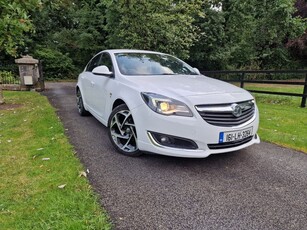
x=165, y=105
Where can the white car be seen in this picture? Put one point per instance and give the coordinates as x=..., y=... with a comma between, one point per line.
x=154, y=102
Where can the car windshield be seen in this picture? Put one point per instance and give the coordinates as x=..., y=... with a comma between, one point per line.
x=151, y=64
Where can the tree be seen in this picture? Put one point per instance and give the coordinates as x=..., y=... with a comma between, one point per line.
x=162, y=25
x=298, y=46
x=86, y=36
x=246, y=34
x=208, y=51
x=276, y=27
x=213, y=34
x=14, y=22
x=73, y=30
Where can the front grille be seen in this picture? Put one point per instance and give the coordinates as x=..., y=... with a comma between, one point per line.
x=223, y=114
x=229, y=144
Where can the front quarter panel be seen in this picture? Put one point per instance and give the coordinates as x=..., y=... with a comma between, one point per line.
x=121, y=91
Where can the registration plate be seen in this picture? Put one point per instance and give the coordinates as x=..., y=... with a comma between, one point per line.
x=235, y=135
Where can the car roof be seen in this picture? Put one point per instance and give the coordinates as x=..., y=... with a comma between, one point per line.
x=114, y=51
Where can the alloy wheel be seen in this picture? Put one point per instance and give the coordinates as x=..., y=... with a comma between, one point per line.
x=122, y=131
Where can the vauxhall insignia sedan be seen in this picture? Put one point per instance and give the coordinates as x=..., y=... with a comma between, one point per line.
x=154, y=102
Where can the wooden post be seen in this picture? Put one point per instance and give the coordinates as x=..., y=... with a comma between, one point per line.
x=303, y=104
x=1, y=94
x=242, y=80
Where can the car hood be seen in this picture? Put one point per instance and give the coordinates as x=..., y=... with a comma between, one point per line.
x=183, y=85
x=197, y=89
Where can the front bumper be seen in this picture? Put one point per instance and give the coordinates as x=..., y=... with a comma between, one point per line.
x=194, y=128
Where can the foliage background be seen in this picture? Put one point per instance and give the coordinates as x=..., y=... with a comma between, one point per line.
x=208, y=34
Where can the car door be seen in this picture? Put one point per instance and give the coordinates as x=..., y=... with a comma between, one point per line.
x=87, y=81
x=100, y=88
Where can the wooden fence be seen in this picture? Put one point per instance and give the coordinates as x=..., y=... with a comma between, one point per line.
x=243, y=77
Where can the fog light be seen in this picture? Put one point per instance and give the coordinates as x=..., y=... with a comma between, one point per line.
x=164, y=139
x=171, y=141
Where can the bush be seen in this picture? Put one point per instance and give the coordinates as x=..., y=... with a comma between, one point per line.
x=7, y=77
x=56, y=65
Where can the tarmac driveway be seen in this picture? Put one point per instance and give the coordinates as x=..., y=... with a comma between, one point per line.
x=262, y=187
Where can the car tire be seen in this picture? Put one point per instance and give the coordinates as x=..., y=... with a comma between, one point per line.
x=122, y=131
x=82, y=111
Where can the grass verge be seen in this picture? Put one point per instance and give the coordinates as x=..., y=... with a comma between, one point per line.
x=282, y=121
x=40, y=182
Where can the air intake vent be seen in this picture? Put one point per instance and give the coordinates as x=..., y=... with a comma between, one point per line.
x=230, y=144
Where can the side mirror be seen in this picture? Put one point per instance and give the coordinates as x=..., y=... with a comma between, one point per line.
x=102, y=70
x=197, y=71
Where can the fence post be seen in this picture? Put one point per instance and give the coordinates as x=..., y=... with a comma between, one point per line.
x=1, y=94
x=303, y=104
x=242, y=80
x=41, y=75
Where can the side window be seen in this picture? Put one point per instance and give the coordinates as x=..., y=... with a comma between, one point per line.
x=93, y=63
x=107, y=61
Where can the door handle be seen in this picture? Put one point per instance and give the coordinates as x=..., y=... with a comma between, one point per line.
x=92, y=83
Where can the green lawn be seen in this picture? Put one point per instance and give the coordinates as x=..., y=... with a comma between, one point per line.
x=282, y=121
x=40, y=182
